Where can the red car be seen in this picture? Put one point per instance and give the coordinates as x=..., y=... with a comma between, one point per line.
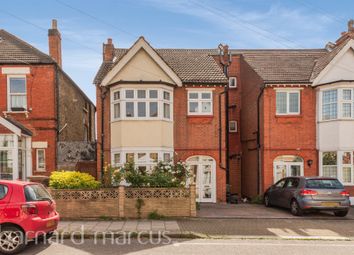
x=27, y=211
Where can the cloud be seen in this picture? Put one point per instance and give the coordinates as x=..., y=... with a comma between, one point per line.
x=277, y=26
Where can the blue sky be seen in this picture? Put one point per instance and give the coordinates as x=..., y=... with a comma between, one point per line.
x=86, y=24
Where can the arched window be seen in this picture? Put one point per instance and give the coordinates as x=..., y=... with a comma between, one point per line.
x=288, y=165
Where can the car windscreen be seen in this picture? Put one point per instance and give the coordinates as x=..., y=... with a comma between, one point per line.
x=36, y=192
x=323, y=184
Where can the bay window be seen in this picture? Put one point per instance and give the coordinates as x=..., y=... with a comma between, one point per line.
x=200, y=102
x=337, y=104
x=338, y=164
x=287, y=102
x=17, y=93
x=138, y=104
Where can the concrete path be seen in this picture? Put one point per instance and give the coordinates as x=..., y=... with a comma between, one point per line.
x=254, y=211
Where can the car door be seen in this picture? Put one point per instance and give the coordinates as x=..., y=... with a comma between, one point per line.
x=275, y=192
x=5, y=194
x=288, y=191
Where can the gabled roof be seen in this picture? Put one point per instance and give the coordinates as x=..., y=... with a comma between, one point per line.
x=322, y=62
x=283, y=66
x=141, y=43
x=15, y=126
x=13, y=50
x=191, y=65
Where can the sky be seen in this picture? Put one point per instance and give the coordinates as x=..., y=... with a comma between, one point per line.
x=242, y=24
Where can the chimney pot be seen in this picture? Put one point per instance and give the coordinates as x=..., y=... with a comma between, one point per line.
x=54, y=24
x=109, y=41
x=351, y=25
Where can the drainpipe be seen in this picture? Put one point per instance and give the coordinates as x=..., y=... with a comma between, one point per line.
x=259, y=154
x=103, y=96
x=57, y=106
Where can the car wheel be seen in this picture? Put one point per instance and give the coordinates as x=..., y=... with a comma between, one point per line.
x=267, y=201
x=341, y=213
x=12, y=240
x=295, y=208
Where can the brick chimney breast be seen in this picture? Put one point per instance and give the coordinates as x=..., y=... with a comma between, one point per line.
x=108, y=50
x=54, y=40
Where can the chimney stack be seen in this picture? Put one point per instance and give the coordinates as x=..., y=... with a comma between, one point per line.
x=351, y=26
x=108, y=51
x=54, y=40
x=347, y=34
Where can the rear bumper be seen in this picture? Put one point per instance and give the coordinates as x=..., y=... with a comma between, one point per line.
x=38, y=226
x=320, y=205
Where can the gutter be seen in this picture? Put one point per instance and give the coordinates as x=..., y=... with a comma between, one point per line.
x=259, y=154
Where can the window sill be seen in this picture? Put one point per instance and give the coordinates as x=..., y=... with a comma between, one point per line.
x=200, y=116
x=41, y=170
x=135, y=119
x=320, y=121
x=15, y=112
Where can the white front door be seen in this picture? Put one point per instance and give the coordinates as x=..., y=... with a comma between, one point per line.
x=203, y=169
x=286, y=169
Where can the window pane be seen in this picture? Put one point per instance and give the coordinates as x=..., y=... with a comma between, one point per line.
x=347, y=110
x=153, y=93
x=329, y=158
x=330, y=171
x=41, y=159
x=347, y=174
x=141, y=94
x=193, y=106
x=129, y=157
x=281, y=102
x=129, y=109
x=141, y=109
x=329, y=111
x=206, y=95
x=153, y=109
x=6, y=141
x=166, y=111
x=206, y=107
x=193, y=95
x=294, y=102
x=117, y=158
x=346, y=160
x=232, y=126
x=166, y=157
x=166, y=95
x=17, y=85
x=129, y=94
x=154, y=156
x=329, y=96
x=295, y=170
x=116, y=95
x=347, y=94
x=18, y=102
x=116, y=111
x=141, y=157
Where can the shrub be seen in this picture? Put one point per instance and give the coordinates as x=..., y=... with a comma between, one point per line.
x=112, y=176
x=257, y=199
x=72, y=180
x=155, y=215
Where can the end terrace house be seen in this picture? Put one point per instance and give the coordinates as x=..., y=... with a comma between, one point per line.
x=40, y=107
x=163, y=104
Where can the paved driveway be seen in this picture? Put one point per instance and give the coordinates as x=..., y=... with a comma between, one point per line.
x=257, y=211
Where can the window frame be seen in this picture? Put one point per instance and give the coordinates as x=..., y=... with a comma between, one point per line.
x=339, y=103
x=288, y=92
x=233, y=78
x=159, y=100
x=40, y=169
x=199, y=100
x=9, y=94
x=236, y=127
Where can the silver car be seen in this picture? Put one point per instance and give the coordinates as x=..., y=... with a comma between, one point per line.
x=302, y=194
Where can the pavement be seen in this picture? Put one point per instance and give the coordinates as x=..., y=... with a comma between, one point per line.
x=194, y=246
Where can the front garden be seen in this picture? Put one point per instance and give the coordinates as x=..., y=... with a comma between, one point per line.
x=125, y=192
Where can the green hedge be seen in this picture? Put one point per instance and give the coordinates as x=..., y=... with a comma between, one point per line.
x=72, y=180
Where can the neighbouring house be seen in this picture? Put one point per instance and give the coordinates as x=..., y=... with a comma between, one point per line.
x=163, y=104
x=46, y=121
x=297, y=114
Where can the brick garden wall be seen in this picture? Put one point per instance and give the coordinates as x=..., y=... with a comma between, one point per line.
x=121, y=202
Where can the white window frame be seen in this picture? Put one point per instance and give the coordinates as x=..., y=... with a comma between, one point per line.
x=40, y=169
x=340, y=165
x=9, y=94
x=236, y=128
x=199, y=100
x=147, y=100
x=234, y=79
x=340, y=102
x=288, y=91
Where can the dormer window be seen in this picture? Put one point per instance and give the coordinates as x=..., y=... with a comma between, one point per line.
x=17, y=93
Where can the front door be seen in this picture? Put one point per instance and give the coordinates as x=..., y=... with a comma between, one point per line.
x=287, y=169
x=203, y=170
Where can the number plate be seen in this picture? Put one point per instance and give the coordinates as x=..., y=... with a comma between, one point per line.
x=330, y=204
x=50, y=223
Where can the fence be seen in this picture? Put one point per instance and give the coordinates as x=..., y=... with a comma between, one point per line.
x=123, y=202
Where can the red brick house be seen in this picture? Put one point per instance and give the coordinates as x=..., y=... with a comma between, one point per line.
x=42, y=109
x=297, y=113
x=159, y=104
